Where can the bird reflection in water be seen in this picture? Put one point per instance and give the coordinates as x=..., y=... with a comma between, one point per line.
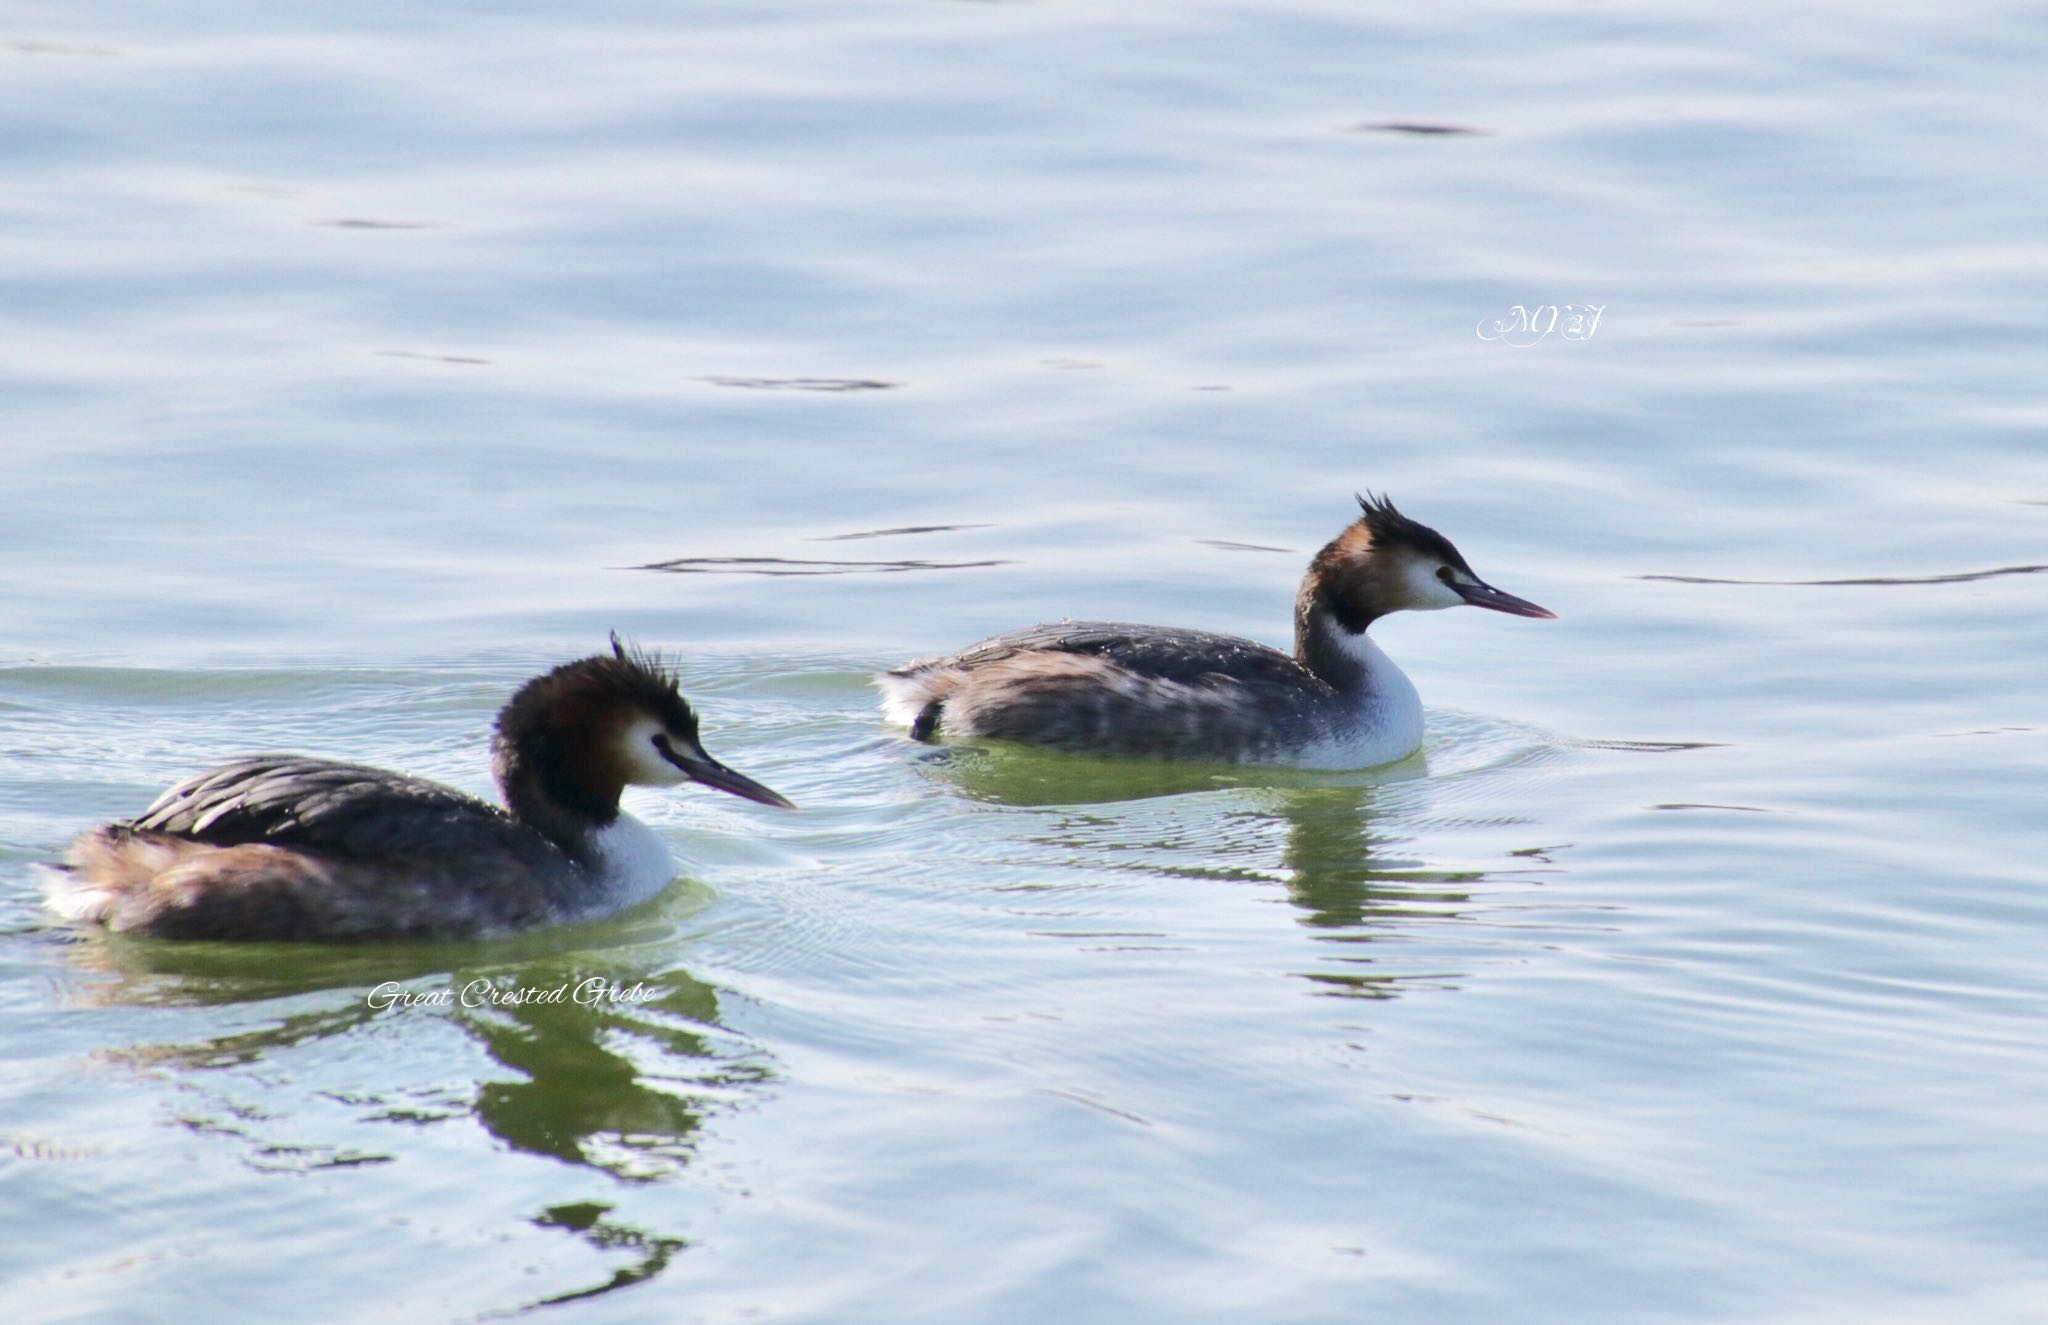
x=618, y=1085
x=1324, y=836
x=1349, y=886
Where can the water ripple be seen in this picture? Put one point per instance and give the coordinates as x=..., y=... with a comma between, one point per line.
x=797, y=566
x=1955, y=577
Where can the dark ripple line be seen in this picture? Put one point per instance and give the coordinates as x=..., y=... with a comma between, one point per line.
x=1707, y=805
x=1075, y=1097
x=1651, y=747
x=431, y=358
x=1420, y=129
x=889, y=533
x=790, y=566
x=373, y=223
x=1958, y=577
x=805, y=383
x=32, y=47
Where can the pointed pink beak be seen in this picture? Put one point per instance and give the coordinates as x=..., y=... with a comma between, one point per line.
x=701, y=767
x=1485, y=595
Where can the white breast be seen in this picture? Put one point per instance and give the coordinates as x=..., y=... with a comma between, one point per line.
x=1383, y=722
x=633, y=862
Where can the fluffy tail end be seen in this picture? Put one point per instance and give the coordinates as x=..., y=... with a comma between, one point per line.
x=173, y=887
x=914, y=696
x=105, y=871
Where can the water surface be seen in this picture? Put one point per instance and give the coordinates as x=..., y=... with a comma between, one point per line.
x=361, y=366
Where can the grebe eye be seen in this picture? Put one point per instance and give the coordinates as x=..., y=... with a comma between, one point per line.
x=1444, y=573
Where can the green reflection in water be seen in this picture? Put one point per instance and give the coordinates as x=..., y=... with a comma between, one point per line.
x=1333, y=840
x=608, y=1060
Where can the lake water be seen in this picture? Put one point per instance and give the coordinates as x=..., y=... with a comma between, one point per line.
x=1697, y=970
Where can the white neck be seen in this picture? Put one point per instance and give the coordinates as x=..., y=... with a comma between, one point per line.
x=1384, y=718
x=633, y=863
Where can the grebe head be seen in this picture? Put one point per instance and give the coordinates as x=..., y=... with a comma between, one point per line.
x=588, y=729
x=1385, y=562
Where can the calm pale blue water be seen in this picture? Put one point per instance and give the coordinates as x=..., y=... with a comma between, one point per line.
x=355, y=356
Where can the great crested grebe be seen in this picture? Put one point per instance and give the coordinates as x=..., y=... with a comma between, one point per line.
x=294, y=847
x=1153, y=692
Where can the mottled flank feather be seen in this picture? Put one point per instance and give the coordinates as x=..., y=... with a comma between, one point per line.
x=316, y=802
x=1104, y=688
x=283, y=847
x=179, y=888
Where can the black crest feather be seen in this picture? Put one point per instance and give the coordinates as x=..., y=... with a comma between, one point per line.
x=1388, y=526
